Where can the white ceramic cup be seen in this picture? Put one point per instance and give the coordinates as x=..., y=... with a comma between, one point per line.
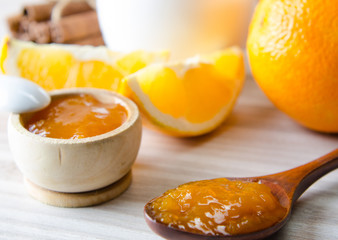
x=185, y=27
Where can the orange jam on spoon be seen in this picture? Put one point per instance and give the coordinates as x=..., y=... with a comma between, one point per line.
x=77, y=116
x=218, y=207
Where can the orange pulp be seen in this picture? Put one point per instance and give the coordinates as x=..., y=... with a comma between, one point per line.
x=76, y=116
x=218, y=207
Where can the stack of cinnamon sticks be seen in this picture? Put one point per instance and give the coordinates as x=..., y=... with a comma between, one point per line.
x=78, y=24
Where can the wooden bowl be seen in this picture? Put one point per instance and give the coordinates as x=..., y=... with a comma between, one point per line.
x=80, y=165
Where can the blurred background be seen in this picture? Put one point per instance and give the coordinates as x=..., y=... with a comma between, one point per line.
x=184, y=27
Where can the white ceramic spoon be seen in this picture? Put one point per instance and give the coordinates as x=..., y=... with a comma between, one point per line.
x=19, y=95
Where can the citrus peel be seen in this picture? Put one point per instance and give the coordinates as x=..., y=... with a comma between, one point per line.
x=56, y=66
x=188, y=98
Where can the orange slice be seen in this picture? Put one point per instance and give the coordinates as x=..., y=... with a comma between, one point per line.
x=55, y=66
x=191, y=97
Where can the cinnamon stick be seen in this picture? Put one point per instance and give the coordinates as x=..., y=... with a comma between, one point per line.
x=95, y=40
x=23, y=26
x=13, y=23
x=23, y=36
x=75, y=7
x=39, y=12
x=75, y=27
x=42, y=12
x=39, y=32
x=79, y=24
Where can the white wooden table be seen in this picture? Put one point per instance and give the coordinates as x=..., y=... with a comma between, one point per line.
x=257, y=139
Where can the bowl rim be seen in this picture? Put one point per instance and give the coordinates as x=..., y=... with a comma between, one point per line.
x=16, y=121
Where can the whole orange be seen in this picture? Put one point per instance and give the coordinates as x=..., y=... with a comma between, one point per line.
x=293, y=53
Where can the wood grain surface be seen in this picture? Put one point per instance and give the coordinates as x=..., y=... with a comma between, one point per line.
x=257, y=139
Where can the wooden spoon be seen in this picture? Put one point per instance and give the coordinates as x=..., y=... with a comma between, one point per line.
x=287, y=186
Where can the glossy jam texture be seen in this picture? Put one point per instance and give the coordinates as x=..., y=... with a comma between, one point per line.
x=77, y=116
x=218, y=207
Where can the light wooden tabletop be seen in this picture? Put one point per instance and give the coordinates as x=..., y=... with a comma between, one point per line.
x=257, y=139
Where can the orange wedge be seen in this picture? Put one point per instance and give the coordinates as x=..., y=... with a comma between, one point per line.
x=55, y=66
x=191, y=97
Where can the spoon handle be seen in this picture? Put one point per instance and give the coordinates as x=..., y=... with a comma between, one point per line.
x=297, y=180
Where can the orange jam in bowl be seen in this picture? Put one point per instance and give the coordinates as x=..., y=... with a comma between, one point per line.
x=218, y=207
x=77, y=116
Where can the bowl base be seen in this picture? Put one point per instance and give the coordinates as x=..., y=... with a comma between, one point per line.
x=83, y=199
